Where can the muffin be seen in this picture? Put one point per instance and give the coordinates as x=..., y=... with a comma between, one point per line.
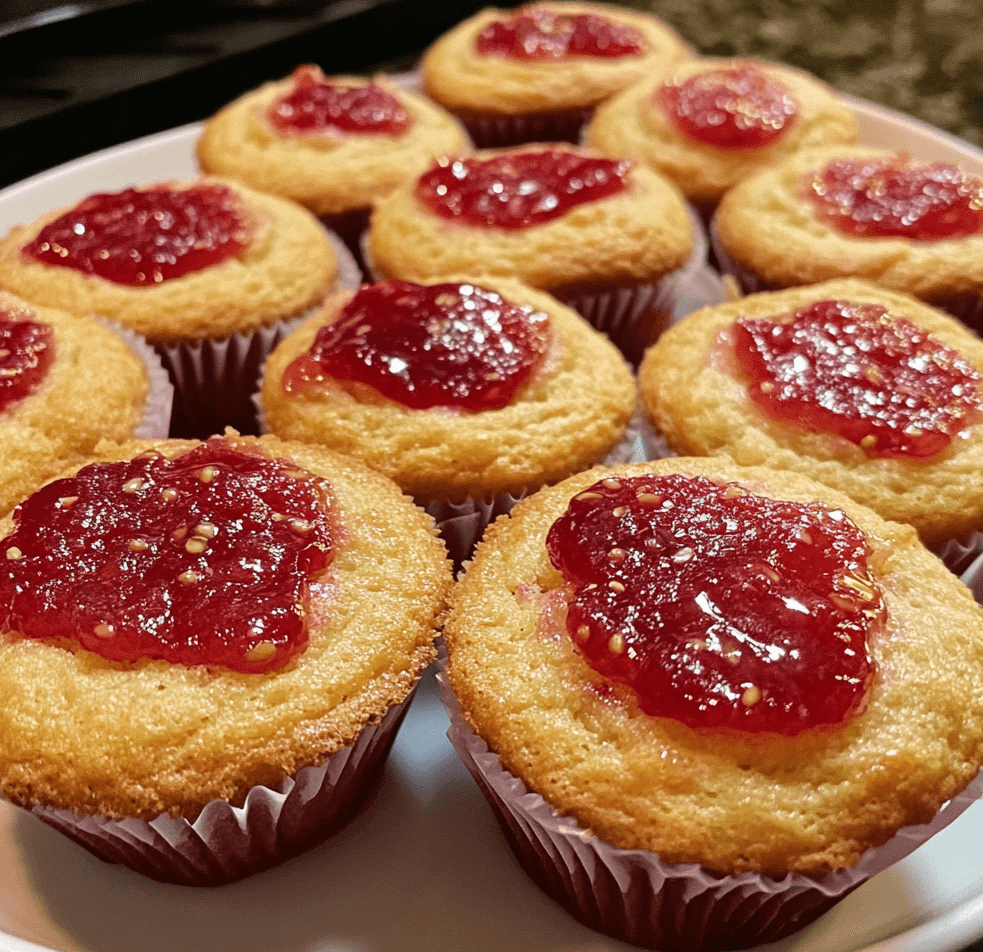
x=207, y=271
x=223, y=676
x=708, y=701
x=611, y=238
x=871, y=392
x=467, y=393
x=711, y=122
x=334, y=144
x=910, y=226
x=537, y=72
x=67, y=382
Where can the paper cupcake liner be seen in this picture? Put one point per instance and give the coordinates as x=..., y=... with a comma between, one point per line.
x=489, y=131
x=214, y=380
x=633, y=316
x=632, y=896
x=226, y=843
x=156, y=420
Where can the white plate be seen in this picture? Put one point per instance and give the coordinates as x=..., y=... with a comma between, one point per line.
x=425, y=866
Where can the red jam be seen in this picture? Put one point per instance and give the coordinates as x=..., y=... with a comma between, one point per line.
x=737, y=107
x=200, y=560
x=892, y=198
x=316, y=105
x=532, y=33
x=440, y=345
x=518, y=189
x=718, y=607
x=854, y=370
x=142, y=237
x=26, y=351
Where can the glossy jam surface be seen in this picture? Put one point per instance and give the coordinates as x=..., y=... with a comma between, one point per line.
x=518, y=189
x=316, y=105
x=143, y=237
x=856, y=371
x=718, y=607
x=26, y=350
x=541, y=34
x=739, y=107
x=893, y=198
x=441, y=345
x=203, y=560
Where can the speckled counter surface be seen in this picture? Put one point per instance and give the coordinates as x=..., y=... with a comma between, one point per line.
x=921, y=57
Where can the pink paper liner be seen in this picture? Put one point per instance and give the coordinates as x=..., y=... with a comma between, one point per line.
x=635, y=897
x=633, y=316
x=489, y=131
x=226, y=843
x=156, y=419
x=214, y=380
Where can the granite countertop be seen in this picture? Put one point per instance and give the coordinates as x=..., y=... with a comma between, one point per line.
x=921, y=57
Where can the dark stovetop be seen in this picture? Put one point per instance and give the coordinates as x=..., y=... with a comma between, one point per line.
x=80, y=77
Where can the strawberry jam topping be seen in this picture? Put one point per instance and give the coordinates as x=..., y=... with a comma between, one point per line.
x=142, y=237
x=316, y=105
x=719, y=607
x=518, y=189
x=203, y=559
x=26, y=352
x=892, y=198
x=736, y=107
x=533, y=34
x=439, y=345
x=856, y=371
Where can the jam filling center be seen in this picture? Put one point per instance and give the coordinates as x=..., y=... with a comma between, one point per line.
x=442, y=345
x=26, y=352
x=140, y=237
x=856, y=371
x=893, y=198
x=737, y=107
x=718, y=607
x=316, y=105
x=518, y=189
x=200, y=560
x=537, y=34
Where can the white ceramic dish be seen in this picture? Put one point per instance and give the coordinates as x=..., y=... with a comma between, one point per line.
x=424, y=867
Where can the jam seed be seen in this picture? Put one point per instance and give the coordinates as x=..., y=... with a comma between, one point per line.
x=67, y=501
x=206, y=530
x=13, y=553
x=261, y=652
x=751, y=696
x=195, y=545
x=133, y=485
x=188, y=578
x=138, y=545
x=583, y=633
x=104, y=631
x=616, y=645
x=208, y=473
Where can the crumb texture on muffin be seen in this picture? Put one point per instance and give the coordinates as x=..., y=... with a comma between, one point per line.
x=728, y=801
x=638, y=235
x=462, y=80
x=136, y=740
x=289, y=267
x=766, y=225
x=568, y=416
x=693, y=398
x=328, y=174
x=632, y=125
x=95, y=388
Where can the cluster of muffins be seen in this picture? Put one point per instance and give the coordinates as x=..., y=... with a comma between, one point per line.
x=402, y=319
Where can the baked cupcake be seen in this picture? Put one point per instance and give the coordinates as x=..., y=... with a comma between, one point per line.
x=611, y=238
x=708, y=701
x=208, y=271
x=467, y=393
x=908, y=225
x=536, y=73
x=67, y=382
x=334, y=144
x=223, y=673
x=871, y=392
x=711, y=122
